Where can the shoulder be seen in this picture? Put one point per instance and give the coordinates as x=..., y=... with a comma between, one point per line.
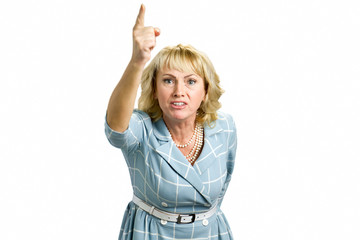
x=151, y=128
x=225, y=121
x=223, y=115
x=140, y=115
x=223, y=126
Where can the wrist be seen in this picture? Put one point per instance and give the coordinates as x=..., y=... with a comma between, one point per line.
x=138, y=65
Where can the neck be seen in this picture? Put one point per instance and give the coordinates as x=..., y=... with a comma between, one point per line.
x=181, y=131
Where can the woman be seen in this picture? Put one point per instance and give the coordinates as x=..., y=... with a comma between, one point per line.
x=179, y=150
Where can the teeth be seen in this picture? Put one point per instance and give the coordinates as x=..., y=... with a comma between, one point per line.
x=178, y=103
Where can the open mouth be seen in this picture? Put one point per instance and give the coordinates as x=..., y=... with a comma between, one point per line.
x=178, y=105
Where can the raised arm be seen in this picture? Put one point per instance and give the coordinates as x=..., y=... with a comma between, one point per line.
x=122, y=99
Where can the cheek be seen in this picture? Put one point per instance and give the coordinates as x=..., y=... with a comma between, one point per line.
x=202, y=95
x=161, y=95
x=198, y=98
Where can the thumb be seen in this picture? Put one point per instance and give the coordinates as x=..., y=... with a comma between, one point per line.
x=140, y=18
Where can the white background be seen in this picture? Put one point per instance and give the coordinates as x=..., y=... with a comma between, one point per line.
x=291, y=71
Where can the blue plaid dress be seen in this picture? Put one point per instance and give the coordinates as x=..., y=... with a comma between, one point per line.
x=162, y=177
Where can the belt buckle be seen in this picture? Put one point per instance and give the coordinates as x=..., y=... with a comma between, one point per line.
x=186, y=215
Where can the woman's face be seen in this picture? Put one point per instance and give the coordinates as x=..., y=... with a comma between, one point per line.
x=179, y=94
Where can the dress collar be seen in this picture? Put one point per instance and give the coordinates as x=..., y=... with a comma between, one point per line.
x=163, y=134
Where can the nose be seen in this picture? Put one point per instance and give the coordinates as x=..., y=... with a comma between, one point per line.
x=179, y=89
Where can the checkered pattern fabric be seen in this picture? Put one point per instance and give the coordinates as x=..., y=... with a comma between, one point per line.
x=162, y=177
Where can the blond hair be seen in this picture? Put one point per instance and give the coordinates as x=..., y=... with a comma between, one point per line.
x=183, y=58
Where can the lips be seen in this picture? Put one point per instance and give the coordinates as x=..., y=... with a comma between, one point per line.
x=178, y=104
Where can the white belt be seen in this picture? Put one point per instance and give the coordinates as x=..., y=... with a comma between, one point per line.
x=174, y=217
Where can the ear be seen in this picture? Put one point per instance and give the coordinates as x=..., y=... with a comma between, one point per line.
x=205, y=96
x=155, y=95
x=155, y=92
x=205, y=92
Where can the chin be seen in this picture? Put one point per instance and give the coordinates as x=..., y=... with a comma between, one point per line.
x=180, y=116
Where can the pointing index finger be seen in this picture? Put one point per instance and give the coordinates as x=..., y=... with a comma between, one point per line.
x=140, y=17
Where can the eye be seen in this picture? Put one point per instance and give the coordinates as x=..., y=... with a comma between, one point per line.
x=168, y=81
x=191, y=81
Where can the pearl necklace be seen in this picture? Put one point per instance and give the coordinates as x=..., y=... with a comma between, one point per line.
x=191, y=139
x=195, y=151
x=198, y=135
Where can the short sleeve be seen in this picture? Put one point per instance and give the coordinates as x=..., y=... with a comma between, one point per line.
x=232, y=145
x=231, y=152
x=133, y=136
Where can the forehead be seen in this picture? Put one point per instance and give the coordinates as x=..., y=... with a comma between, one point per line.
x=176, y=73
x=181, y=62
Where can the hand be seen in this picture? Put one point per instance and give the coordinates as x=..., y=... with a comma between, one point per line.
x=144, y=39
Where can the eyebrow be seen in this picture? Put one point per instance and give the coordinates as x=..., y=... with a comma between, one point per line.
x=175, y=77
